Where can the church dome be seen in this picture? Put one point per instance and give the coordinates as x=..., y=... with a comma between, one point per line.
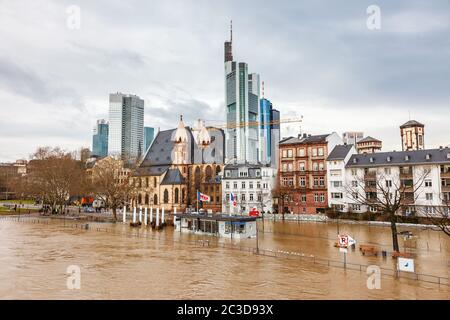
x=181, y=134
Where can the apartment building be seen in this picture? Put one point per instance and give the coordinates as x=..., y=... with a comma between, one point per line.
x=303, y=172
x=422, y=176
x=251, y=184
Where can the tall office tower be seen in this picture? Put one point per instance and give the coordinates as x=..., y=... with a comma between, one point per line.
x=126, y=125
x=100, y=139
x=269, y=133
x=352, y=137
x=242, y=108
x=149, y=134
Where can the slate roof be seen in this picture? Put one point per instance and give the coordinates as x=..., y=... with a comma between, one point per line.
x=151, y=171
x=173, y=176
x=412, y=123
x=309, y=139
x=369, y=139
x=160, y=151
x=393, y=158
x=340, y=152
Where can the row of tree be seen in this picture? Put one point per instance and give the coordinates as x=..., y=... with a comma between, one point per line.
x=55, y=176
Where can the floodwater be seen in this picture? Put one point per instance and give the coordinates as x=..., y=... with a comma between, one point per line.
x=118, y=262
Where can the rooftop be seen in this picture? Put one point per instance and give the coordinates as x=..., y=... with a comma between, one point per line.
x=429, y=156
x=412, y=123
x=369, y=139
x=340, y=152
x=305, y=139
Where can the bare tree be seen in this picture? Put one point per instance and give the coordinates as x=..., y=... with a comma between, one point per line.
x=111, y=183
x=283, y=194
x=53, y=177
x=386, y=193
x=440, y=216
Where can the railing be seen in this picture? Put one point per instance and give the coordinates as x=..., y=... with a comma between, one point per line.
x=275, y=253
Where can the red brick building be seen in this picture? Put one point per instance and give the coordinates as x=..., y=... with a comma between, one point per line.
x=303, y=174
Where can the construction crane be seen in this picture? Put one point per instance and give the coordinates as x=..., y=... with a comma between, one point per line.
x=254, y=123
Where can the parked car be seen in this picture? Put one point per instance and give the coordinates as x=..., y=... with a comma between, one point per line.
x=89, y=210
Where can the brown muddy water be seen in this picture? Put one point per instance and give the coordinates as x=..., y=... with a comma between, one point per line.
x=118, y=262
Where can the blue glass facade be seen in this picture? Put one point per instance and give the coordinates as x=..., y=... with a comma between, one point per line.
x=100, y=139
x=149, y=134
x=269, y=131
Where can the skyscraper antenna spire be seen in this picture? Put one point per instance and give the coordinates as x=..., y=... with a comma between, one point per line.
x=231, y=31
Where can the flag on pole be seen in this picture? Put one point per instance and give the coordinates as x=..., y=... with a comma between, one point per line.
x=233, y=200
x=202, y=197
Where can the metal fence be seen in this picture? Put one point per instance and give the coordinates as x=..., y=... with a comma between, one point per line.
x=258, y=251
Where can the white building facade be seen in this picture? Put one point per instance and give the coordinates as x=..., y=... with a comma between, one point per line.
x=251, y=185
x=423, y=176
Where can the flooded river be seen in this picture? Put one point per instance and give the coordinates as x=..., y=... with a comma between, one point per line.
x=118, y=262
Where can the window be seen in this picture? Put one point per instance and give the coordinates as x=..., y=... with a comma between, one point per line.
x=316, y=197
x=428, y=183
x=284, y=167
x=320, y=151
x=302, y=182
x=235, y=185
x=301, y=152
x=284, y=154
x=227, y=197
x=389, y=183
x=243, y=197
x=336, y=195
x=315, y=166
x=314, y=152
x=354, y=183
x=373, y=209
x=290, y=167
x=335, y=173
x=337, y=184
x=303, y=197
x=227, y=185
x=258, y=185
x=355, y=195
x=354, y=172
x=321, y=166
x=258, y=173
x=356, y=207
x=265, y=185
x=316, y=181
x=251, y=196
x=429, y=196
x=301, y=166
x=228, y=173
x=289, y=153
x=322, y=197
x=322, y=181
x=166, y=196
x=387, y=170
x=259, y=197
x=243, y=185
x=250, y=185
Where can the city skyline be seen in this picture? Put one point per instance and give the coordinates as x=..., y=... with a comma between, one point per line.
x=330, y=68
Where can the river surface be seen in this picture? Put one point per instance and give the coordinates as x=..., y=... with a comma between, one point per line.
x=119, y=262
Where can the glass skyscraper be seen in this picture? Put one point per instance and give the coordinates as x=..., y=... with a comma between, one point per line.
x=126, y=125
x=242, y=109
x=269, y=132
x=100, y=139
x=149, y=134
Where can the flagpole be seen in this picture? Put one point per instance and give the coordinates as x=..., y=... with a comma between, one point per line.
x=197, y=201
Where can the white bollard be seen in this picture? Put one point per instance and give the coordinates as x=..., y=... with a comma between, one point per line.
x=174, y=211
x=140, y=214
x=134, y=215
x=162, y=216
x=151, y=214
x=157, y=217
x=145, y=216
x=124, y=214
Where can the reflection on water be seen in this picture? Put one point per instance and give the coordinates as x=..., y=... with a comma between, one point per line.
x=34, y=258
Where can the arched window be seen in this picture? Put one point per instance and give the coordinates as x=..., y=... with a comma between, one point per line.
x=218, y=170
x=146, y=182
x=197, y=181
x=154, y=182
x=166, y=196
x=177, y=195
x=155, y=199
x=139, y=199
x=183, y=195
x=146, y=198
x=208, y=173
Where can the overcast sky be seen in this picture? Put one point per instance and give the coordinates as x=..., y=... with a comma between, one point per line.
x=317, y=58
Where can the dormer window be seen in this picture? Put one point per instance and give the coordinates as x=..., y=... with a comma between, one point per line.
x=355, y=160
x=227, y=173
x=448, y=155
x=388, y=159
x=406, y=158
x=372, y=159
x=428, y=156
